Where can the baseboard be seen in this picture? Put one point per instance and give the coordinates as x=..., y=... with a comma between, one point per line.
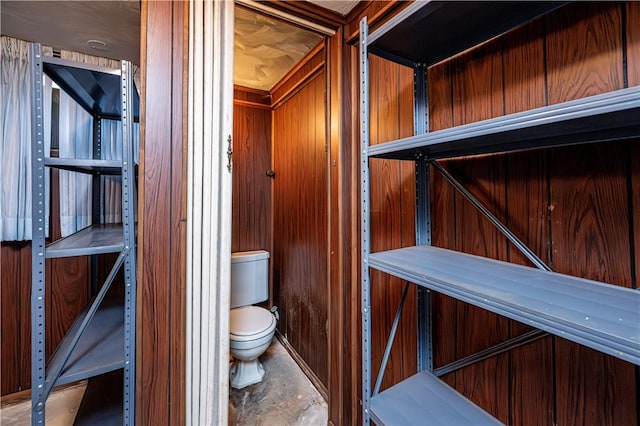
x=303, y=366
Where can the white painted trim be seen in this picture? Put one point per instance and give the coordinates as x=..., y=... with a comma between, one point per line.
x=210, y=121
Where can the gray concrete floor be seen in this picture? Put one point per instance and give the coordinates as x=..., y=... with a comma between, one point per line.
x=284, y=397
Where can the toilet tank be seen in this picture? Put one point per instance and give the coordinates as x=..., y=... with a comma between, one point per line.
x=249, y=277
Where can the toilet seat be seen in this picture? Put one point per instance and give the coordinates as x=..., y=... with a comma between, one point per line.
x=249, y=323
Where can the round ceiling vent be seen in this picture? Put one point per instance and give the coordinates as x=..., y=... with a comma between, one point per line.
x=98, y=45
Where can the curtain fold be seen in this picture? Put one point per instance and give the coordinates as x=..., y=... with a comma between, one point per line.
x=15, y=143
x=75, y=141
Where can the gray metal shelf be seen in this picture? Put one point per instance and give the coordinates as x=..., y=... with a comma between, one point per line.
x=609, y=116
x=102, y=339
x=94, y=239
x=100, y=348
x=601, y=316
x=423, y=399
x=427, y=32
x=95, y=88
x=88, y=166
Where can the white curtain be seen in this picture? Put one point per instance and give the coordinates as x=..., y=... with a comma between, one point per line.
x=15, y=143
x=75, y=141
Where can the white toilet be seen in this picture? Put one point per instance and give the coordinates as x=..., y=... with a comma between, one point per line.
x=251, y=328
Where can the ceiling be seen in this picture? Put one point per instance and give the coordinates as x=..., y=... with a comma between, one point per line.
x=265, y=47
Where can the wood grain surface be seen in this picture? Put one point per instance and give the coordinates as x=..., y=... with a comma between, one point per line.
x=633, y=43
x=392, y=216
x=531, y=366
x=300, y=238
x=160, y=376
x=251, y=211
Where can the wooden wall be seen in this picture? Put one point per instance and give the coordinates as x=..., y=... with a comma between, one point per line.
x=162, y=216
x=576, y=207
x=251, y=221
x=300, y=187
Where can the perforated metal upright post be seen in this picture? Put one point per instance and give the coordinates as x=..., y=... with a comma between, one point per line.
x=364, y=217
x=96, y=197
x=128, y=226
x=423, y=215
x=38, y=226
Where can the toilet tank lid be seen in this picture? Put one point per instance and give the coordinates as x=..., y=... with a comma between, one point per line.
x=249, y=256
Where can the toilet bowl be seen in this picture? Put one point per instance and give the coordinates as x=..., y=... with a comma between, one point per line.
x=251, y=329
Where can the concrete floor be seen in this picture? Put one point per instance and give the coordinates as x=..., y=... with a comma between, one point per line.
x=284, y=397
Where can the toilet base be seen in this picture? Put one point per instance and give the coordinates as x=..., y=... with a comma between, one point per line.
x=245, y=373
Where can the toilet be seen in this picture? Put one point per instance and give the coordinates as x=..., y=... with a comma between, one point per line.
x=251, y=328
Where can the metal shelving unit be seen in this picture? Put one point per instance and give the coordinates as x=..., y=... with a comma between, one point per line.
x=598, y=315
x=102, y=339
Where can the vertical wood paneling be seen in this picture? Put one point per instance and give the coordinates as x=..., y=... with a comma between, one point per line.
x=160, y=374
x=584, y=51
x=300, y=223
x=352, y=388
x=531, y=366
x=588, y=187
x=633, y=43
x=340, y=347
x=11, y=306
x=251, y=222
x=392, y=216
x=590, y=229
x=443, y=224
x=478, y=95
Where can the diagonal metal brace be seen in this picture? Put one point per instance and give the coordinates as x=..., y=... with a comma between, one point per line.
x=54, y=374
x=392, y=336
x=491, y=217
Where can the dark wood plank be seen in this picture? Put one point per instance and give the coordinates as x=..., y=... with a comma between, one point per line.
x=25, y=317
x=69, y=296
x=588, y=188
x=352, y=403
x=338, y=222
x=300, y=244
x=590, y=228
x=251, y=211
x=443, y=224
x=407, y=173
x=160, y=376
x=177, y=291
x=531, y=366
x=633, y=43
x=392, y=217
x=584, y=51
x=477, y=95
x=11, y=306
